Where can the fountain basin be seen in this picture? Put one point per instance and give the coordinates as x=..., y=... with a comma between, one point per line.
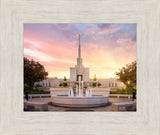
x=64, y=91
x=77, y=101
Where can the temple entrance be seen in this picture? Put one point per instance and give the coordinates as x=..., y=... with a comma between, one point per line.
x=80, y=76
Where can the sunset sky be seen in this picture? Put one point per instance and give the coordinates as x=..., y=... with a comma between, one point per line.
x=104, y=47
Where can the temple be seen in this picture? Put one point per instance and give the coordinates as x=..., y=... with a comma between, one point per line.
x=79, y=71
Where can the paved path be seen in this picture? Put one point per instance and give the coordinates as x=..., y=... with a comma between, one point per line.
x=103, y=108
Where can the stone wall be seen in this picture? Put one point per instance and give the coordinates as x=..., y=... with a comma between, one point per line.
x=110, y=82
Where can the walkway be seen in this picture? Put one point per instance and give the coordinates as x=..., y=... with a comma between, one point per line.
x=62, y=109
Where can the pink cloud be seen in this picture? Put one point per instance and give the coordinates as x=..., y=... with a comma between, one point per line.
x=108, y=30
x=60, y=51
x=89, y=30
x=125, y=41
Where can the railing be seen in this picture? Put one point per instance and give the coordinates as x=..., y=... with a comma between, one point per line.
x=38, y=95
x=129, y=96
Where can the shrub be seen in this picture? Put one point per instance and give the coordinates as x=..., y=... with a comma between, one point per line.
x=94, y=84
x=38, y=86
x=123, y=91
x=64, y=84
x=38, y=92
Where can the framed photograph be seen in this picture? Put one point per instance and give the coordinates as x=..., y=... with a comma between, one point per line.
x=79, y=67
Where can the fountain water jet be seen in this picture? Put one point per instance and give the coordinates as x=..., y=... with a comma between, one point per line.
x=90, y=93
x=70, y=92
x=87, y=93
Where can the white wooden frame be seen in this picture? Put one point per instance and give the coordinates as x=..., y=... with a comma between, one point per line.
x=13, y=13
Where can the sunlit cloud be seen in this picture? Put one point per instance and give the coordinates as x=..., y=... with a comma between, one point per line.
x=38, y=55
x=43, y=57
x=108, y=30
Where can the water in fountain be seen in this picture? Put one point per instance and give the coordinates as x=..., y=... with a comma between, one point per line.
x=79, y=90
x=82, y=88
x=70, y=92
x=79, y=85
x=76, y=89
x=87, y=93
x=90, y=93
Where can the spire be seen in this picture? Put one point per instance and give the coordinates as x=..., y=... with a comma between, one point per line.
x=79, y=49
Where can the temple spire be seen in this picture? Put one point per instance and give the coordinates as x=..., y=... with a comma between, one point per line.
x=79, y=49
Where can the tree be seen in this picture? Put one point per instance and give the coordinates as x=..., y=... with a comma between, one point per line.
x=127, y=75
x=65, y=78
x=95, y=78
x=33, y=72
x=25, y=87
x=65, y=84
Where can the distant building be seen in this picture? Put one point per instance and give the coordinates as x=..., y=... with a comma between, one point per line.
x=110, y=82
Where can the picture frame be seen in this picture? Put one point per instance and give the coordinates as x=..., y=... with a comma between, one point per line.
x=145, y=121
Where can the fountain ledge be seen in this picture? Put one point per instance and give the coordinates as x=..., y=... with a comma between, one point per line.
x=80, y=101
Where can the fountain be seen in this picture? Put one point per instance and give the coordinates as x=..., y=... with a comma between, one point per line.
x=80, y=100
